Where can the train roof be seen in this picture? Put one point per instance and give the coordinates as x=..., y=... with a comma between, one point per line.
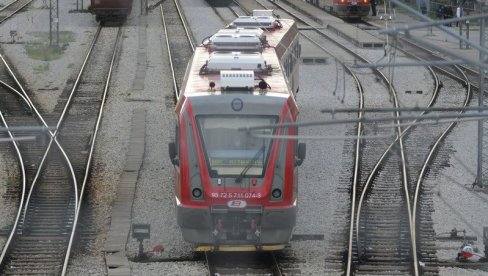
x=209, y=69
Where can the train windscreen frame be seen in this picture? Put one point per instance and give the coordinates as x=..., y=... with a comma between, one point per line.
x=232, y=152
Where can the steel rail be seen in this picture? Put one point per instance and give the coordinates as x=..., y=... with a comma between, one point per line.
x=465, y=68
x=183, y=21
x=15, y=11
x=434, y=149
x=24, y=188
x=211, y=270
x=241, y=7
x=17, y=93
x=276, y=265
x=355, y=179
x=175, y=85
x=25, y=95
x=380, y=162
x=168, y=47
x=8, y=5
x=232, y=9
x=91, y=151
x=441, y=137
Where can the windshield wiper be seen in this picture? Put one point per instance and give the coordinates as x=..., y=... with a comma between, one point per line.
x=250, y=164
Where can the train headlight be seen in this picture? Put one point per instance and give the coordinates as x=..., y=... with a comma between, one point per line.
x=276, y=193
x=196, y=193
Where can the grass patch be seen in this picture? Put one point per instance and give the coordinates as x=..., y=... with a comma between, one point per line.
x=40, y=49
x=42, y=68
x=11, y=181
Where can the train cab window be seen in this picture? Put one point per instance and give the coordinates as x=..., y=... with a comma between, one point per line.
x=229, y=150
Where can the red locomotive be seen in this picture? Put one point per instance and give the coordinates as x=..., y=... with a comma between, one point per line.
x=236, y=190
x=110, y=10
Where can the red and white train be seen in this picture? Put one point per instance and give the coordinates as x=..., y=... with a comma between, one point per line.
x=236, y=190
x=349, y=9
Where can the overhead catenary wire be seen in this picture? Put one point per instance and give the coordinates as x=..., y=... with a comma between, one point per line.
x=18, y=139
x=403, y=109
x=436, y=117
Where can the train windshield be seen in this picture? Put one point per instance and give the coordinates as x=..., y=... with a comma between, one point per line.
x=231, y=151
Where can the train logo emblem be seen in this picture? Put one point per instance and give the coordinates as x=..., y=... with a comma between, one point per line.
x=236, y=204
x=237, y=104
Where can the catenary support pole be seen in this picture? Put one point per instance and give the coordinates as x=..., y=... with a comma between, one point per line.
x=481, y=130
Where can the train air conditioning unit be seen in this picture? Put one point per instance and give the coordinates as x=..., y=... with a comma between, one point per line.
x=228, y=42
x=237, y=80
x=237, y=39
x=264, y=22
x=251, y=61
x=249, y=31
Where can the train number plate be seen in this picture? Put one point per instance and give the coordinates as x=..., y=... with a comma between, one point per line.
x=236, y=195
x=354, y=3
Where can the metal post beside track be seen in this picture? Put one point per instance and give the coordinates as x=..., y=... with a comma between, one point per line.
x=460, y=34
x=482, y=168
x=54, y=21
x=485, y=242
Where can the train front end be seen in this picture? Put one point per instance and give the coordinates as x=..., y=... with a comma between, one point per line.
x=236, y=175
x=353, y=9
x=237, y=189
x=110, y=10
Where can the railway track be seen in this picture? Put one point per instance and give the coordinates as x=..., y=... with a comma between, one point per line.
x=12, y=8
x=416, y=147
x=179, y=41
x=33, y=154
x=43, y=237
x=396, y=253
